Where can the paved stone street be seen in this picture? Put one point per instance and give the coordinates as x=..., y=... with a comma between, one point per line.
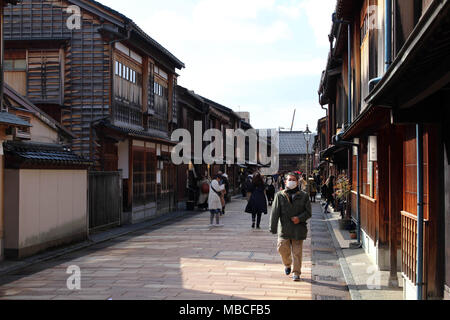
x=185, y=259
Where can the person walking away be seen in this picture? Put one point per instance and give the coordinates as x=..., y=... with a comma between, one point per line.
x=215, y=202
x=303, y=183
x=249, y=185
x=281, y=183
x=257, y=205
x=242, y=179
x=312, y=189
x=270, y=187
x=290, y=214
x=329, y=192
x=226, y=192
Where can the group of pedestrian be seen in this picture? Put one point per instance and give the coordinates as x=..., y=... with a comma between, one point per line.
x=290, y=196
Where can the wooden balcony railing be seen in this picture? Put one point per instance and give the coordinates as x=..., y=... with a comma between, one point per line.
x=409, y=245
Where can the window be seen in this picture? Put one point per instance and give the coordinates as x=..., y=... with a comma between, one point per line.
x=161, y=73
x=127, y=73
x=15, y=65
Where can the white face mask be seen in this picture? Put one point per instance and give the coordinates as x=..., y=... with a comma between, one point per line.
x=291, y=185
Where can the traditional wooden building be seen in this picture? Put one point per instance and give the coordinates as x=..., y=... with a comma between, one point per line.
x=45, y=201
x=94, y=70
x=191, y=109
x=223, y=118
x=296, y=152
x=390, y=111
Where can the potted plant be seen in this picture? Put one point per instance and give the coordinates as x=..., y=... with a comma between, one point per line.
x=343, y=190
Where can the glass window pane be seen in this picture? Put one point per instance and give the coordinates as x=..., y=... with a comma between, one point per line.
x=8, y=65
x=20, y=64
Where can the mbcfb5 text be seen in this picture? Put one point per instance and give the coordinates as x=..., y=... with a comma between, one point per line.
x=247, y=310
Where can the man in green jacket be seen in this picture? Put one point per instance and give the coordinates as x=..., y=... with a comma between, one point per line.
x=290, y=212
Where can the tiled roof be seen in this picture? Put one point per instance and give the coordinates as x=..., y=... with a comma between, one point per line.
x=149, y=134
x=11, y=119
x=43, y=153
x=149, y=39
x=294, y=143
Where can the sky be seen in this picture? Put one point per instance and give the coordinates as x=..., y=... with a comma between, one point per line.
x=265, y=57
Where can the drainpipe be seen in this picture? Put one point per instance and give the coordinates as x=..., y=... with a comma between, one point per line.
x=349, y=71
x=388, y=34
x=420, y=210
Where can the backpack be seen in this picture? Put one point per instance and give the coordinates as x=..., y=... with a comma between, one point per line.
x=205, y=188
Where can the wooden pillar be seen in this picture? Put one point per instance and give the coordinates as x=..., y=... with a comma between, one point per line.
x=395, y=155
x=130, y=175
x=434, y=272
x=383, y=190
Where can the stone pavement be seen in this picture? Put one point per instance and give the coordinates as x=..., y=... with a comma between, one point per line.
x=185, y=259
x=365, y=280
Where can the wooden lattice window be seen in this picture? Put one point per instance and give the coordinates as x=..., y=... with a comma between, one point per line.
x=44, y=76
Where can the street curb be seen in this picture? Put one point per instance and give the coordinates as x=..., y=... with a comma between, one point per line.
x=20, y=265
x=354, y=293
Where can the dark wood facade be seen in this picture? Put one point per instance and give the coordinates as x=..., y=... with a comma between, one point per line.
x=103, y=78
x=390, y=110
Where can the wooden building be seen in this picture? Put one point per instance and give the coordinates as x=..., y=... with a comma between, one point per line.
x=45, y=201
x=94, y=70
x=295, y=152
x=191, y=109
x=223, y=118
x=393, y=104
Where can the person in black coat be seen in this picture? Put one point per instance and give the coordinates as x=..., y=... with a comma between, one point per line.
x=257, y=205
x=329, y=193
x=270, y=184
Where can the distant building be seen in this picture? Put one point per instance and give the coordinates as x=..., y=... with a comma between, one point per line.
x=244, y=116
x=294, y=150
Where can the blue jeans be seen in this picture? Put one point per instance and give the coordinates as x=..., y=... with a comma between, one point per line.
x=216, y=214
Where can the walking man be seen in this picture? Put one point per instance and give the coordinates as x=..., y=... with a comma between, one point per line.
x=290, y=212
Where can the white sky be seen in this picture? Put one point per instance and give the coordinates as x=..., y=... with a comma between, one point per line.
x=261, y=56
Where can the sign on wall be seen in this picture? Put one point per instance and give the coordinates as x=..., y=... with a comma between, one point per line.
x=373, y=149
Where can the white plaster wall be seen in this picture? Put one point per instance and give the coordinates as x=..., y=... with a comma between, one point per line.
x=51, y=206
x=42, y=133
x=409, y=290
x=123, y=150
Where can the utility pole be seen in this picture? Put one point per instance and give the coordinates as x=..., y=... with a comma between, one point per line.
x=307, y=136
x=293, y=119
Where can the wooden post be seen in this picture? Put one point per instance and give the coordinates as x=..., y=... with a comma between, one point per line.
x=130, y=174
